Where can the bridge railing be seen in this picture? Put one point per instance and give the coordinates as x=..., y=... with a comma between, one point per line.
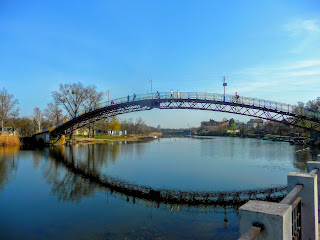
x=256, y=102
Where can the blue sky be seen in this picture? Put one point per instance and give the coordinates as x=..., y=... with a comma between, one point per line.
x=266, y=49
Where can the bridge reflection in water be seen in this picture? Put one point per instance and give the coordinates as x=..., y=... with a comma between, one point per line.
x=89, y=171
x=81, y=179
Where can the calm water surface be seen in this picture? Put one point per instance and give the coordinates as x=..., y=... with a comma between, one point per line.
x=40, y=198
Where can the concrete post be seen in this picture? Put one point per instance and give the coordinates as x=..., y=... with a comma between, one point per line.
x=318, y=158
x=275, y=217
x=314, y=165
x=309, y=196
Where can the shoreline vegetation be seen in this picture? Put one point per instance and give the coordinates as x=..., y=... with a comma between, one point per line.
x=9, y=141
x=107, y=138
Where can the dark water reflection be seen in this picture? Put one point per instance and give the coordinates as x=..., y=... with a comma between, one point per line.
x=8, y=165
x=42, y=198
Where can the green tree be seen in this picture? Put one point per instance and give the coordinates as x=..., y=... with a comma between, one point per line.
x=114, y=125
x=25, y=127
x=232, y=124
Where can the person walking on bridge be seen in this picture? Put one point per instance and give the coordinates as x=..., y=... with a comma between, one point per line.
x=171, y=93
x=128, y=97
x=177, y=93
x=134, y=96
x=236, y=97
x=158, y=94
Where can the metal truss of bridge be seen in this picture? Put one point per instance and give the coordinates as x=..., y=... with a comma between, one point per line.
x=253, y=107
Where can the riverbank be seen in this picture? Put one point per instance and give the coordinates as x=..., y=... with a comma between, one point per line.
x=107, y=138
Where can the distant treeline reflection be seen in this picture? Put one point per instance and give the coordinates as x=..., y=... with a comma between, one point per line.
x=70, y=187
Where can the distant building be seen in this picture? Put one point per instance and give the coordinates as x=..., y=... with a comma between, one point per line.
x=85, y=131
x=81, y=131
x=255, y=122
x=279, y=124
x=213, y=123
x=111, y=133
x=233, y=131
x=8, y=131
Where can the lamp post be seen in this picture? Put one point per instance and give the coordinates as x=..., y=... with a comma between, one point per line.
x=224, y=88
x=107, y=92
x=150, y=81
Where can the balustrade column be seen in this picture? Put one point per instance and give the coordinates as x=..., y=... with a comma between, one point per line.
x=275, y=219
x=309, y=196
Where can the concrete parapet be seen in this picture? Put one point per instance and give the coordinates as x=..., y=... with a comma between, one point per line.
x=309, y=196
x=275, y=217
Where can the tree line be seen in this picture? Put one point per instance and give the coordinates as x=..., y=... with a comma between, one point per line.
x=68, y=101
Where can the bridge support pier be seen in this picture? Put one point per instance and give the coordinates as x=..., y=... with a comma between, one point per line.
x=45, y=138
x=42, y=138
x=61, y=141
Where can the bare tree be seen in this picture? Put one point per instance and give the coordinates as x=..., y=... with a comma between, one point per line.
x=53, y=113
x=300, y=108
x=37, y=116
x=141, y=127
x=71, y=97
x=314, y=104
x=8, y=106
x=92, y=98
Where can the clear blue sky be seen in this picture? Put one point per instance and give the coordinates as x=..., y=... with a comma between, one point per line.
x=266, y=49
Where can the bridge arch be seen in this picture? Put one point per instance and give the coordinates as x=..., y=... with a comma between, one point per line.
x=253, y=107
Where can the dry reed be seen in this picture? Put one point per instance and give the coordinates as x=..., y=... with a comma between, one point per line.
x=155, y=134
x=9, y=141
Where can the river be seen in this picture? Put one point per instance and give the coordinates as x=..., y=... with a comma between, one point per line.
x=81, y=191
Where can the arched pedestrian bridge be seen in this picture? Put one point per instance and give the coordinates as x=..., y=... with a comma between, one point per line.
x=253, y=107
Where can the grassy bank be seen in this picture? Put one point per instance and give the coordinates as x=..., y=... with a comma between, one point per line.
x=108, y=138
x=9, y=141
